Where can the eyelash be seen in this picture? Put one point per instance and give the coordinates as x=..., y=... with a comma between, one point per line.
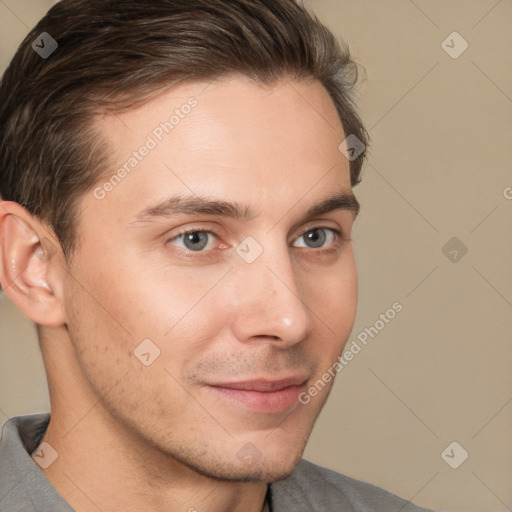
x=338, y=237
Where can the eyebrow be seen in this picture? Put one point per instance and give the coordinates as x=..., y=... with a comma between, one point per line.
x=343, y=201
x=197, y=205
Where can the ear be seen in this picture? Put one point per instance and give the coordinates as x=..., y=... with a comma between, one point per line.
x=31, y=265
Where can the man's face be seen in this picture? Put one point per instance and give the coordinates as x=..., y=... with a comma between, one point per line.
x=248, y=309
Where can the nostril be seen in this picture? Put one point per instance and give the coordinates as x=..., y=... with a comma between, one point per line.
x=268, y=336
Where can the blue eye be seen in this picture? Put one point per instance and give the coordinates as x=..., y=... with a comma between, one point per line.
x=194, y=240
x=316, y=237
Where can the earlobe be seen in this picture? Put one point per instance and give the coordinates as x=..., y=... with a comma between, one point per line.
x=25, y=258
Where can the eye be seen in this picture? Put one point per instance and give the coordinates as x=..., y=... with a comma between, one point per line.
x=316, y=238
x=194, y=240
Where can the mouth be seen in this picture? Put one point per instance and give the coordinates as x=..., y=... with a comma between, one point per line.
x=263, y=395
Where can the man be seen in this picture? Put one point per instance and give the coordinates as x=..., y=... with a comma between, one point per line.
x=176, y=221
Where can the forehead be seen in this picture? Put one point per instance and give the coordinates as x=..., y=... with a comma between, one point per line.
x=231, y=136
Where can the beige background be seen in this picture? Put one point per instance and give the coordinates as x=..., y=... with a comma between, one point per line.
x=439, y=168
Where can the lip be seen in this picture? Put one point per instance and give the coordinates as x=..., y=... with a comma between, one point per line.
x=263, y=395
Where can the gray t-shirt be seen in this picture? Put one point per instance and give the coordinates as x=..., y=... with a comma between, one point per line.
x=310, y=488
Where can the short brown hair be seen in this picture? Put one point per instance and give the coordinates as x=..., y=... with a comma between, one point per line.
x=114, y=56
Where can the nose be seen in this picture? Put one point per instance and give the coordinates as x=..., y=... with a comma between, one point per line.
x=270, y=306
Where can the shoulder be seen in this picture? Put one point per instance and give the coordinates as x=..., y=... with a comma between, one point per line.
x=314, y=488
x=23, y=486
x=26, y=431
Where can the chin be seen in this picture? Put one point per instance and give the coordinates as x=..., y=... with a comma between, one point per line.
x=269, y=467
x=241, y=473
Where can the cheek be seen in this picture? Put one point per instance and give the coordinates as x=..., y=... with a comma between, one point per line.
x=107, y=349
x=145, y=297
x=120, y=304
x=331, y=292
x=332, y=298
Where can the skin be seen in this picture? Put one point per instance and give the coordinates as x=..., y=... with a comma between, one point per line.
x=158, y=437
